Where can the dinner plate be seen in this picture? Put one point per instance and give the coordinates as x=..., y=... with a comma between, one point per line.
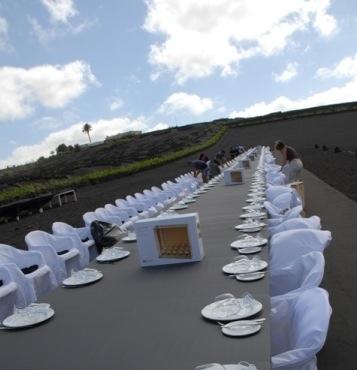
x=253, y=276
x=249, y=250
x=253, y=207
x=240, y=328
x=233, y=367
x=244, y=266
x=201, y=191
x=255, y=200
x=260, y=215
x=82, y=277
x=112, y=254
x=178, y=207
x=129, y=238
x=231, y=309
x=189, y=201
x=250, y=226
x=31, y=315
x=195, y=195
x=249, y=242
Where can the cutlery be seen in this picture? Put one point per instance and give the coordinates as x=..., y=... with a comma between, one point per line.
x=243, y=323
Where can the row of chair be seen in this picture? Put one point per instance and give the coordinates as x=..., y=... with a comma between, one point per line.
x=300, y=310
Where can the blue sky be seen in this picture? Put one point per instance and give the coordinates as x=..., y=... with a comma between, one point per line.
x=144, y=65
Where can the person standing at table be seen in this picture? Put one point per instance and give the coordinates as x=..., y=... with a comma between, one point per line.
x=198, y=167
x=292, y=165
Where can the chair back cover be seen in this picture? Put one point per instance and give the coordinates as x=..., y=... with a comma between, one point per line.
x=303, y=273
x=312, y=222
x=289, y=245
x=299, y=325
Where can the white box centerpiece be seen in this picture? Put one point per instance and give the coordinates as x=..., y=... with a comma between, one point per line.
x=169, y=239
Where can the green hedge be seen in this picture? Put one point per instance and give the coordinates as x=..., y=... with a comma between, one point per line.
x=33, y=189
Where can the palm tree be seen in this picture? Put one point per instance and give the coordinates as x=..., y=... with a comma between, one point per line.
x=86, y=128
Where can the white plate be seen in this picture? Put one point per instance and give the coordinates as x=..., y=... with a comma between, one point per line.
x=129, y=239
x=260, y=215
x=31, y=315
x=253, y=207
x=240, y=328
x=82, y=277
x=249, y=250
x=112, y=254
x=237, y=267
x=248, y=227
x=255, y=199
x=201, y=191
x=189, y=201
x=232, y=367
x=195, y=196
x=178, y=207
x=217, y=311
x=250, y=277
x=248, y=243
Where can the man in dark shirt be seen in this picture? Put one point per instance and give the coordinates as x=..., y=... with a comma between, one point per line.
x=199, y=166
x=292, y=165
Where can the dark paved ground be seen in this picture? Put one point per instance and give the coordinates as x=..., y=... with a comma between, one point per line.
x=339, y=215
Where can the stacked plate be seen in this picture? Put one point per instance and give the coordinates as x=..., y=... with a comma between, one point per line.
x=82, y=277
x=243, y=265
x=31, y=315
x=112, y=254
x=230, y=309
x=250, y=226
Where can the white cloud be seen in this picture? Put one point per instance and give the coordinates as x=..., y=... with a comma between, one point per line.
x=346, y=68
x=60, y=10
x=181, y=101
x=341, y=94
x=116, y=104
x=74, y=135
x=288, y=74
x=4, y=35
x=203, y=36
x=52, y=86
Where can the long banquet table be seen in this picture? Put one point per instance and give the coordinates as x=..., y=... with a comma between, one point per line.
x=149, y=318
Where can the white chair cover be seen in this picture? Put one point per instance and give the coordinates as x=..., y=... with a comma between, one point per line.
x=289, y=245
x=49, y=246
x=86, y=248
x=305, y=272
x=9, y=294
x=31, y=286
x=130, y=214
x=312, y=222
x=273, y=191
x=287, y=200
x=299, y=325
x=288, y=215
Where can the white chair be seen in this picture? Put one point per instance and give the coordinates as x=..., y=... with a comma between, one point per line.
x=131, y=210
x=86, y=248
x=145, y=205
x=277, y=178
x=28, y=269
x=10, y=296
x=129, y=215
x=59, y=252
x=121, y=219
x=299, y=325
x=312, y=222
x=303, y=273
x=153, y=201
x=289, y=245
